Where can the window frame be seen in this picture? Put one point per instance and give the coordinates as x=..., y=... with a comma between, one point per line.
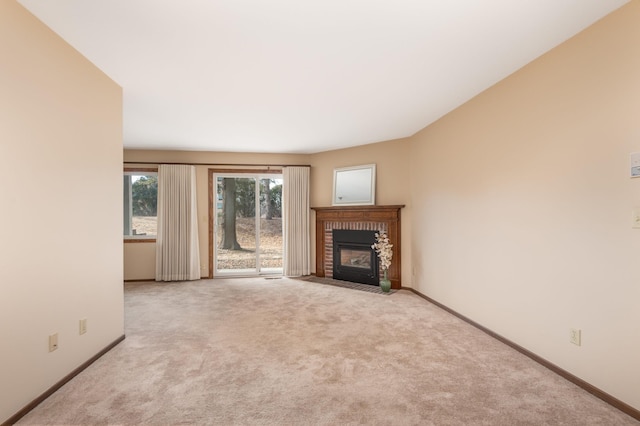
x=138, y=238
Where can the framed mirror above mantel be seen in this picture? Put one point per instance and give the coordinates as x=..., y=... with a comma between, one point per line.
x=377, y=218
x=354, y=186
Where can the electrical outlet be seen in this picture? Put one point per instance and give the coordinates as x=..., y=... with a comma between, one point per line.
x=575, y=336
x=83, y=326
x=53, y=342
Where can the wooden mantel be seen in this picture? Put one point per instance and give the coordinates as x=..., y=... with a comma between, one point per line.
x=389, y=216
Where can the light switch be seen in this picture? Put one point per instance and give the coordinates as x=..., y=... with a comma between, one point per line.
x=636, y=218
x=635, y=164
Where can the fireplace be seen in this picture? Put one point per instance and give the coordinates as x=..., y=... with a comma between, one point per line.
x=353, y=258
x=370, y=218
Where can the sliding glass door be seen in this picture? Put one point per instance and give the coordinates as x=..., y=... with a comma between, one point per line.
x=248, y=224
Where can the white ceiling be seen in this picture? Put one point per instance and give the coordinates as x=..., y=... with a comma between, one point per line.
x=300, y=76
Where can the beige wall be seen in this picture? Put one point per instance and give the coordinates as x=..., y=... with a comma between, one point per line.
x=61, y=250
x=522, y=206
x=139, y=258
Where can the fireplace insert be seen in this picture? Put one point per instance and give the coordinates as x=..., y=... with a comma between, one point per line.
x=353, y=258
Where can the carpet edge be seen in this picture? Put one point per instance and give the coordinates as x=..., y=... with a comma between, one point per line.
x=588, y=387
x=33, y=404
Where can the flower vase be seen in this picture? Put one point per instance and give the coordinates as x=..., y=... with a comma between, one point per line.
x=385, y=283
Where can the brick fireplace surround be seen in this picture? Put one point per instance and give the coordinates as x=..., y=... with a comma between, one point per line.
x=374, y=218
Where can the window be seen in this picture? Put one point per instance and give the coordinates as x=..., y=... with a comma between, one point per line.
x=140, y=205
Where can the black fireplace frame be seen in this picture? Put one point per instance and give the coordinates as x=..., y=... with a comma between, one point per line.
x=361, y=240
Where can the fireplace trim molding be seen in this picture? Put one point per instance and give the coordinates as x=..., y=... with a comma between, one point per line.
x=345, y=215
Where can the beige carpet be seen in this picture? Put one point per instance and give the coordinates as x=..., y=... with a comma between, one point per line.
x=290, y=352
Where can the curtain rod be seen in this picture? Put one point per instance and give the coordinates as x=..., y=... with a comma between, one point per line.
x=216, y=164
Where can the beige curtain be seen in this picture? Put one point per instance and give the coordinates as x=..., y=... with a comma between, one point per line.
x=295, y=214
x=177, y=252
